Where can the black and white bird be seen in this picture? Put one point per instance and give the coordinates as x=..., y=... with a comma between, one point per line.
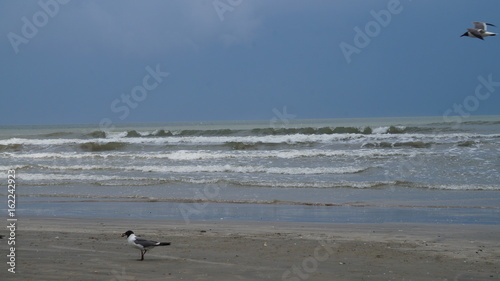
x=141, y=243
x=479, y=30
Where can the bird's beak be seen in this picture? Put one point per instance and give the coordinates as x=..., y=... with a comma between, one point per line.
x=123, y=235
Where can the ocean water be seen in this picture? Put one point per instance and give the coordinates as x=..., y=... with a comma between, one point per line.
x=309, y=162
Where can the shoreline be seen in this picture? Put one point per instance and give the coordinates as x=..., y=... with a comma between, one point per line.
x=343, y=212
x=57, y=248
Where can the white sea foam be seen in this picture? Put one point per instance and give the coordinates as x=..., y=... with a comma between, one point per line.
x=215, y=169
x=317, y=184
x=381, y=157
x=267, y=139
x=381, y=130
x=13, y=167
x=185, y=155
x=52, y=177
x=464, y=187
x=103, y=180
x=46, y=155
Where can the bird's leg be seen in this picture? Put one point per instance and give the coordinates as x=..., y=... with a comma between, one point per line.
x=143, y=252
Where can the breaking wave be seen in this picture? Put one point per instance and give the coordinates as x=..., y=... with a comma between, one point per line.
x=310, y=157
x=250, y=142
x=214, y=169
x=95, y=147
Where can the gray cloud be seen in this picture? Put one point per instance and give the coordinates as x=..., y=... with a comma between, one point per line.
x=139, y=27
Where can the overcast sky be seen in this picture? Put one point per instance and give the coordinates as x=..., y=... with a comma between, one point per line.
x=199, y=60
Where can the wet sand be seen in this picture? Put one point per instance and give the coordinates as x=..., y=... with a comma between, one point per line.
x=49, y=248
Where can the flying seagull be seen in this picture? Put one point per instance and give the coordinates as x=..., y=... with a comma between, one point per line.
x=479, y=30
x=141, y=243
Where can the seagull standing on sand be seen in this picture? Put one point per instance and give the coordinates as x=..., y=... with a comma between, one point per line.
x=141, y=243
x=479, y=30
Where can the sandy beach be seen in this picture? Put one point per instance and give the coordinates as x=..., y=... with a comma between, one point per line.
x=55, y=248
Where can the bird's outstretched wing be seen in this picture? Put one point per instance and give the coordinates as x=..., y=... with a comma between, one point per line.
x=476, y=33
x=479, y=25
x=482, y=25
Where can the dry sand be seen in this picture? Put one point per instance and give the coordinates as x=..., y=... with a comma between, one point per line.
x=92, y=249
